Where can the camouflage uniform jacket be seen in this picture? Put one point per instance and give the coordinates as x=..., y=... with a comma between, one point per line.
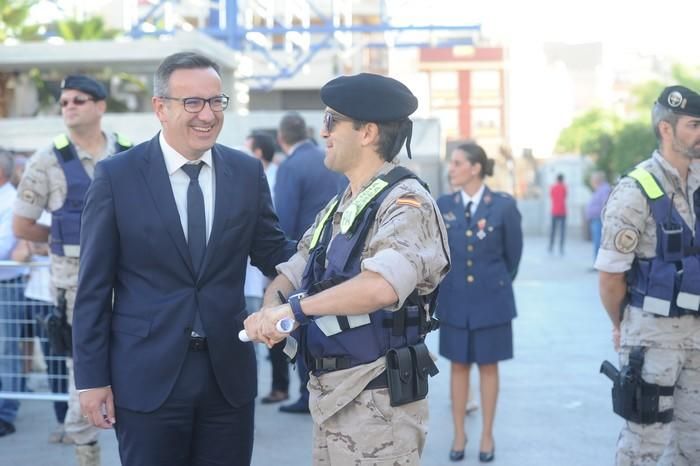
x=407, y=246
x=43, y=187
x=629, y=231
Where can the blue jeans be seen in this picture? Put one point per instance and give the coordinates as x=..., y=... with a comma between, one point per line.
x=12, y=313
x=558, y=223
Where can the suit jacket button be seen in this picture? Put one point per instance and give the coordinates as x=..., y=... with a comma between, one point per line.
x=470, y=278
x=470, y=247
x=470, y=263
x=469, y=233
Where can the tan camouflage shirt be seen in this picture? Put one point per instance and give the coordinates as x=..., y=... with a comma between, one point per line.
x=407, y=246
x=629, y=231
x=43, y=187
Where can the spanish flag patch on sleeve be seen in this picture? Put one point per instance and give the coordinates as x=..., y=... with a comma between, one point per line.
x=407, y=200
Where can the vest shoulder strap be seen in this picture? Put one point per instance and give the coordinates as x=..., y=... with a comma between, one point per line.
x=64, y=148
x=330, y=210
x=647, y=182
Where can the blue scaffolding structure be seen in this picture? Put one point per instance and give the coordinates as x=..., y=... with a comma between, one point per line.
x=250, y=27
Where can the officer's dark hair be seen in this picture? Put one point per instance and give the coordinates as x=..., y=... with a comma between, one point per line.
x=661, y=113
x=292, y=128
x=179, y=61
x=476, y=154
x=265, y=143
x=560, y=177
x=388, y=132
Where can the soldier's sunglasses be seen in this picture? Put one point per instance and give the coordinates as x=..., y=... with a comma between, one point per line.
x=329, y=119
x=76, y=101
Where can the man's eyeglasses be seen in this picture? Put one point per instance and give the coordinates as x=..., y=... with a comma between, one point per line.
x=217, y=103
x=76, y=101
x=330, y=118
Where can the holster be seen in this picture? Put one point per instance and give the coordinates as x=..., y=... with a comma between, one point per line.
x=636, y=400
x=58, y=329
x=407, y=372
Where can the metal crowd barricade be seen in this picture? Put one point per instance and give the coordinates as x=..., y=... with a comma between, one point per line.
x=28, y=367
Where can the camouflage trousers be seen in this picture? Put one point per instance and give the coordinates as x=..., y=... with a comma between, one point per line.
x=75, y=424
x=368, y=431
x=676, y=443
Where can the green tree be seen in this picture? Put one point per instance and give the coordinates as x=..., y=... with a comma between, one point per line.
x=13, y=17
x=633, y=143
x=588, y=133
x=90, y=29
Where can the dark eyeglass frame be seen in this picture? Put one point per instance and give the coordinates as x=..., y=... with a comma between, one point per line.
x=77, y=100
x=200, y=102
x=330, y=118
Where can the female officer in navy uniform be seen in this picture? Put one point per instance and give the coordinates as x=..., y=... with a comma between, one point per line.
x=476, y=303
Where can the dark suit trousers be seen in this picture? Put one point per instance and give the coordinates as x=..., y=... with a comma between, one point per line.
x=195, y=426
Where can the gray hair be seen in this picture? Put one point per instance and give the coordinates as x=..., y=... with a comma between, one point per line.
x=7, y=165
x=292, y=128
x=179, y=61
x=660, y=113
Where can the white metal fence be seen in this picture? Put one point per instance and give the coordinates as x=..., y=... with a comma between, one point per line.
x=29, y=369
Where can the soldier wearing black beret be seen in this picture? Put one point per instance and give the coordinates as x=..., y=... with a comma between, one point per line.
x=376, y=253
x=649, y=270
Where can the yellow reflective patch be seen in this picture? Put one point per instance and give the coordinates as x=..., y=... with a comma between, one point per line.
x=360, y=202
x=646, y=180
x=61, y=141
x=123, y=141
x=321, y=225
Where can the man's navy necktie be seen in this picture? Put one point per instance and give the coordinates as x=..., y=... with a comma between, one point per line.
x=196, y=227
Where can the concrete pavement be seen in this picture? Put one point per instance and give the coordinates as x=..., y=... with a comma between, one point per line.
x=554, y=407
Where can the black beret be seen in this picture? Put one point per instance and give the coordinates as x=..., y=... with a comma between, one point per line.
x=85, y=84
x=680, y=99
x=369, y=97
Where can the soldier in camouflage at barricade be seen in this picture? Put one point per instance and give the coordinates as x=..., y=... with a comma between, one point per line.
x=649, y=264
x=56, y=179
x=361, y=284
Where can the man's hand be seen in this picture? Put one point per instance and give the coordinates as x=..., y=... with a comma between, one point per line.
x=269, y=316
x=97, y=405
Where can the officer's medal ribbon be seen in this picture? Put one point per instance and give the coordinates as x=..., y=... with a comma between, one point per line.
x=481, y=224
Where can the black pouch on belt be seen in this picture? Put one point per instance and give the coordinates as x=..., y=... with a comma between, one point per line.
x=400, y=376
x=424, y=367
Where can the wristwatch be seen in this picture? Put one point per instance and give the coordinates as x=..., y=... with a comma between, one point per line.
x=295, y=304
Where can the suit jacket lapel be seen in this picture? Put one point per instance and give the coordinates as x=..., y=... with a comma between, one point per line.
x=158, y=181
x=223, y=195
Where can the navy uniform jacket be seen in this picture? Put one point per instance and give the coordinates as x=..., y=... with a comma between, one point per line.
x=478, y=292
x=303, y=187
x=132, y=245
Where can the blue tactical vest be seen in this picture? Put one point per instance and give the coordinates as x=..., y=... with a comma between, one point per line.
x=340, y=342
x=65, y=221
x=668, y=284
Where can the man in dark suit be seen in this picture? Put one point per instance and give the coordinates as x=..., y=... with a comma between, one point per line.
x=304, y=186
x=166, y=231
